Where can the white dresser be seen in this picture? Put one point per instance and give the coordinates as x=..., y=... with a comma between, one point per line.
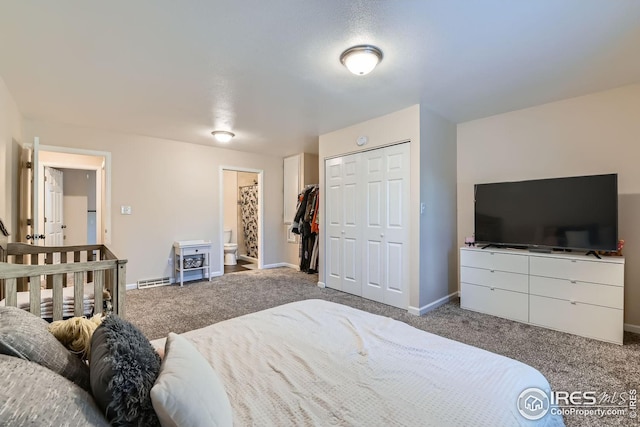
x=578, y=294
x=192, y=256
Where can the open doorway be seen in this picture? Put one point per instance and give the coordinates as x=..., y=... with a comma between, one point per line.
x=241, y=219
x=77, y=213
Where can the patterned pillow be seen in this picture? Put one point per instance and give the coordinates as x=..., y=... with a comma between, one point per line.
x=34, y=395
x=26, y=336
x=124, y=367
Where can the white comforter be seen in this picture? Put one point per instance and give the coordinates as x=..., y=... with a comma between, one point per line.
x=319, y=363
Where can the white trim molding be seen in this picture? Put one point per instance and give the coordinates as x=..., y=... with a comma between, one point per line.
x=432, y=306
x=281, y=264
x=131, y=286
x=632, y=328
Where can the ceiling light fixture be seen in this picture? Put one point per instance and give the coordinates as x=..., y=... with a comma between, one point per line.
x=361, y=59
x=222, y=135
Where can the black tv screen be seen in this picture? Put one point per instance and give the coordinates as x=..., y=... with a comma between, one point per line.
x=561, y=213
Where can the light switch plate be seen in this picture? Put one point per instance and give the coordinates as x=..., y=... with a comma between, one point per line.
x=125, y=210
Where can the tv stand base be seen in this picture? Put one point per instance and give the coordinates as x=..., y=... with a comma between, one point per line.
x=540, y=250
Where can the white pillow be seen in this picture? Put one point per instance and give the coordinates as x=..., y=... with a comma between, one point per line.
x=188, y=392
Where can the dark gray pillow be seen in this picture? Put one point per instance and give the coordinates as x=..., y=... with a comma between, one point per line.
x=33, y=395
x=124, y=367
x=26, y=336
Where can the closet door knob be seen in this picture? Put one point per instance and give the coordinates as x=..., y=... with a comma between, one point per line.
x=342, y=232
x=381, y=234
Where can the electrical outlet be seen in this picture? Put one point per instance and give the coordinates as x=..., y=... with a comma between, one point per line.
x=422, y=206
x=170, y=261
x=125, y=210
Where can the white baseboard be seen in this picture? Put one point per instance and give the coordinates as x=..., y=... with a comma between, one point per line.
x=215, y=274
x=132, y=286
x=632, y=328
x=322, y=285
x=431, y=306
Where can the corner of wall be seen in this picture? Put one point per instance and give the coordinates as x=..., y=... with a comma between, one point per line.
x=438, y=218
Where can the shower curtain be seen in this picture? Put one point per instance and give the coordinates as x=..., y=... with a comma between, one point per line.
x=249, y=212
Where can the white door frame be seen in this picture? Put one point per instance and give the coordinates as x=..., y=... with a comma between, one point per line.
x=260, y=173
x=103, y=213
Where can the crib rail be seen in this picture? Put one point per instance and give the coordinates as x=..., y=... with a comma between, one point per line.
x=22, y=267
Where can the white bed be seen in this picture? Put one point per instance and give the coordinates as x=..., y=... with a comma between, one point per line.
x=319, y=363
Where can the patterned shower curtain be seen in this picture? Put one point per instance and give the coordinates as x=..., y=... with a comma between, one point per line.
x=249, y=211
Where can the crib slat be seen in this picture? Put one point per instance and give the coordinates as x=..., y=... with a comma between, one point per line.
x=98, y=286
x=22, y=281
x=48, y=259
x=63, y=260
x=11, y=298
x=34, y=295
x=78, y=294
x=57, y=297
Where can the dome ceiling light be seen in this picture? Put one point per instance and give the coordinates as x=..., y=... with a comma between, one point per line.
x=361, y=59
x=222, y=135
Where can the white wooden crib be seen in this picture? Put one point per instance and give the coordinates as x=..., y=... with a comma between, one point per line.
x=44, y=275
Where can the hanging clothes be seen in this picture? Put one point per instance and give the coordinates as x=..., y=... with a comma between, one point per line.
x=305, y=223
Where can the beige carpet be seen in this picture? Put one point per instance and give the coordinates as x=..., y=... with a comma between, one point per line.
x=569, y=362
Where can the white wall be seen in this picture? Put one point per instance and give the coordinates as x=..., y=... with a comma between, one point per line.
x=591, y=134
x=77, y=190
x=231, y=203
x=438, y=243
x=173, y=188
x=10, y=139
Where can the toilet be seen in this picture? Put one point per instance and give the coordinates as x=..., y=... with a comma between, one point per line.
x=230, y=249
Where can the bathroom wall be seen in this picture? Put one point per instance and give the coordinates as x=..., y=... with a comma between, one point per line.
x=230, y=197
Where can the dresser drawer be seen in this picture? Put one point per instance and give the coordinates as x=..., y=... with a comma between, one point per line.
x=194, y=251
x=589, y=321
x=514, y=263
x=584, y=292
x=493, y=278
x=497, y=302
x=607, y=273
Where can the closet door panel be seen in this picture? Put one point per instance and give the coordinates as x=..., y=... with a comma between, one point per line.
x=351, y=276
x=396, y=230
x=334, y=223
x=334, y=276
x=374, y=220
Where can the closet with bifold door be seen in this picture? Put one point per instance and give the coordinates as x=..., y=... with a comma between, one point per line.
x=367, y=224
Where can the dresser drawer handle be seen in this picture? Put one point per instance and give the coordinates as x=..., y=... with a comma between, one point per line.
x=572, y=280
x=573, y=302
x=493, y=271
x=492, y=288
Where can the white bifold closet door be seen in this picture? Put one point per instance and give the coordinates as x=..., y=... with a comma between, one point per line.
x=368, y=224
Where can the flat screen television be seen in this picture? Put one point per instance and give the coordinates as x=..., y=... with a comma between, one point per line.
x=577, y=213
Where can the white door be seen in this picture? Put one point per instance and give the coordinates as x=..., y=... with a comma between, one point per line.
x=342, y=247
x=367, y=212
x=385, y=223
x=395, y=237
x=53, y=211
x=29, y=229
x=374, y=209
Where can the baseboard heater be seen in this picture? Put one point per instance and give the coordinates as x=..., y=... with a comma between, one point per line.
x=152, y=283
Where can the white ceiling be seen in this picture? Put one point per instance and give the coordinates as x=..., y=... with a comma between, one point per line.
x=269, y=70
